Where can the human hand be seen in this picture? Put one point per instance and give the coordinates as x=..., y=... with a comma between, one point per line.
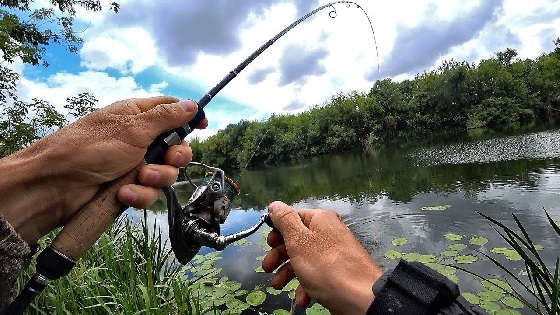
x=330, y=264
x=55, y=176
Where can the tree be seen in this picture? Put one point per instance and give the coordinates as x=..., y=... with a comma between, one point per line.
x=26, y=29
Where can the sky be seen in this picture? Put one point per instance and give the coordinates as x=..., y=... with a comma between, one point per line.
x=183, y=48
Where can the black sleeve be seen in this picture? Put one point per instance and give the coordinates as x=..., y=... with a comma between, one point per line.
x=415, y=289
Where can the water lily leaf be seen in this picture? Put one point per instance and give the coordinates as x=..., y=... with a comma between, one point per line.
x=317, y=309
x=480, y=241
x=491, y=296
x=539, y=247
x=260, y=258
x=234, y=304
x=259, y=269
x=471, y=298
x=496, y=285
x=436, y=208
x=457, y=247
x=557, y=222
x=489, y=306
x=273, y=291
x=280, y=312
x=419, y=258
x=240, y=292
x=465, y=259
x=399, y=241
x=242, y=243
x=507, y=311
x=393, y=254
x=256, y=298
x=292, y=294
x=291, y=286
x=443, y=269
x=450, y=253
x=512, y=302
x=510, y=254
x=453, y=237
x=218, y=292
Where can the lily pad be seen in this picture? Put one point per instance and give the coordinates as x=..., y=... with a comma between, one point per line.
x=273, y=291
x=317, y=309
x=507, y=311
x=510, y=254
x=259, y=269
x=491, y=296
x=240, y=292
x=457, y=247
x=236, y=305
x=471, y=298
x=399, y=241
x=512, y=302
x=419, y=258
x=496, y=285
x=465, y=259
x=256, y=298
x=539, y=247
x=393, y=254
x=280, y=312
x=291, y=286
x=489, y=306
x=292, y=294
x=436, y=208
x=480, y=241
x=453, y=237
x=242, y=242
x=260, y=258
x=450, y=253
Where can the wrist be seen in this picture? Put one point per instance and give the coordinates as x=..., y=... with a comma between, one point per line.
x=27, y=197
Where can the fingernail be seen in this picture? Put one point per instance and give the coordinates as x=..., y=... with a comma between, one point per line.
x=274, y=206
x=128, y=195
x=153, y=176
x=179, y=159
x=188, y=105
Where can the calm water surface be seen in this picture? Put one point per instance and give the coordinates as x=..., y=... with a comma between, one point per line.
x=380, y=196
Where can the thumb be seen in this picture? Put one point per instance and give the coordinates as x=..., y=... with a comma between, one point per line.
x=165, y=117
x=286, y=220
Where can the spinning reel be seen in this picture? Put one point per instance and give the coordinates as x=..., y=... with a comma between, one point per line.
x=198, y=223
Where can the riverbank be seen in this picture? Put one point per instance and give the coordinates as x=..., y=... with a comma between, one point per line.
x=500, y=92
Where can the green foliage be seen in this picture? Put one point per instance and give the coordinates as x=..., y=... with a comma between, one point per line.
x=498, y=92
x=126, y=271
x=26, y=31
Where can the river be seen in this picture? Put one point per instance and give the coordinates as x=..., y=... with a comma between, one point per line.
x=413, y=193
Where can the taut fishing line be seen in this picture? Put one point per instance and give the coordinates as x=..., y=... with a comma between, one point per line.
x=190, y=227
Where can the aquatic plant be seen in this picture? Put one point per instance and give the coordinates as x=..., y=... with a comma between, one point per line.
x=544, y=283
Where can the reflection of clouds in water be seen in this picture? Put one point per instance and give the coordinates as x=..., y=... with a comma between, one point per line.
x=542, y=145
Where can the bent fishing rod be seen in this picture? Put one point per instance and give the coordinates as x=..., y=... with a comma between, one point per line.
x=81, y=232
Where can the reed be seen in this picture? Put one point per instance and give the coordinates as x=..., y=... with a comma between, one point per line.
x=129, y=270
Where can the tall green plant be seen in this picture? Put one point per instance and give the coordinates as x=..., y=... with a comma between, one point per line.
x=128, y=271
x=544, y=284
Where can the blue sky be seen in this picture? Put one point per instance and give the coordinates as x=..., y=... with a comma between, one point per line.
x=183, y=48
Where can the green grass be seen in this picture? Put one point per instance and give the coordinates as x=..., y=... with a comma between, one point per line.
x=128, y=271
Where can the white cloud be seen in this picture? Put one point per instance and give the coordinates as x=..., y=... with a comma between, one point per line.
x=129, y=50
x=58, y=87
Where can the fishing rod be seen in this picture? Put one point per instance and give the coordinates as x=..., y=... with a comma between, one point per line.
x=192, y=226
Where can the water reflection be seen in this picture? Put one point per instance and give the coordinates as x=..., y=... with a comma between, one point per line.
x=380, y=197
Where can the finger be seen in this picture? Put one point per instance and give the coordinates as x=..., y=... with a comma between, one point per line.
x=274, y=258
x=302, y=299
x=178, y=155
x=283, y=276
x=146, y=104
x=165, y=117
x=286, y=220
x=203, y=124
x=157, y=176
x=274, y=239
x=138, y=196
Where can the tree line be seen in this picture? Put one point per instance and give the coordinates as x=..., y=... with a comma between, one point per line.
x=502, y=91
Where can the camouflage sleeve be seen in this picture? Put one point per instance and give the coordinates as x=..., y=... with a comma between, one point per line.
x=15, y=255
